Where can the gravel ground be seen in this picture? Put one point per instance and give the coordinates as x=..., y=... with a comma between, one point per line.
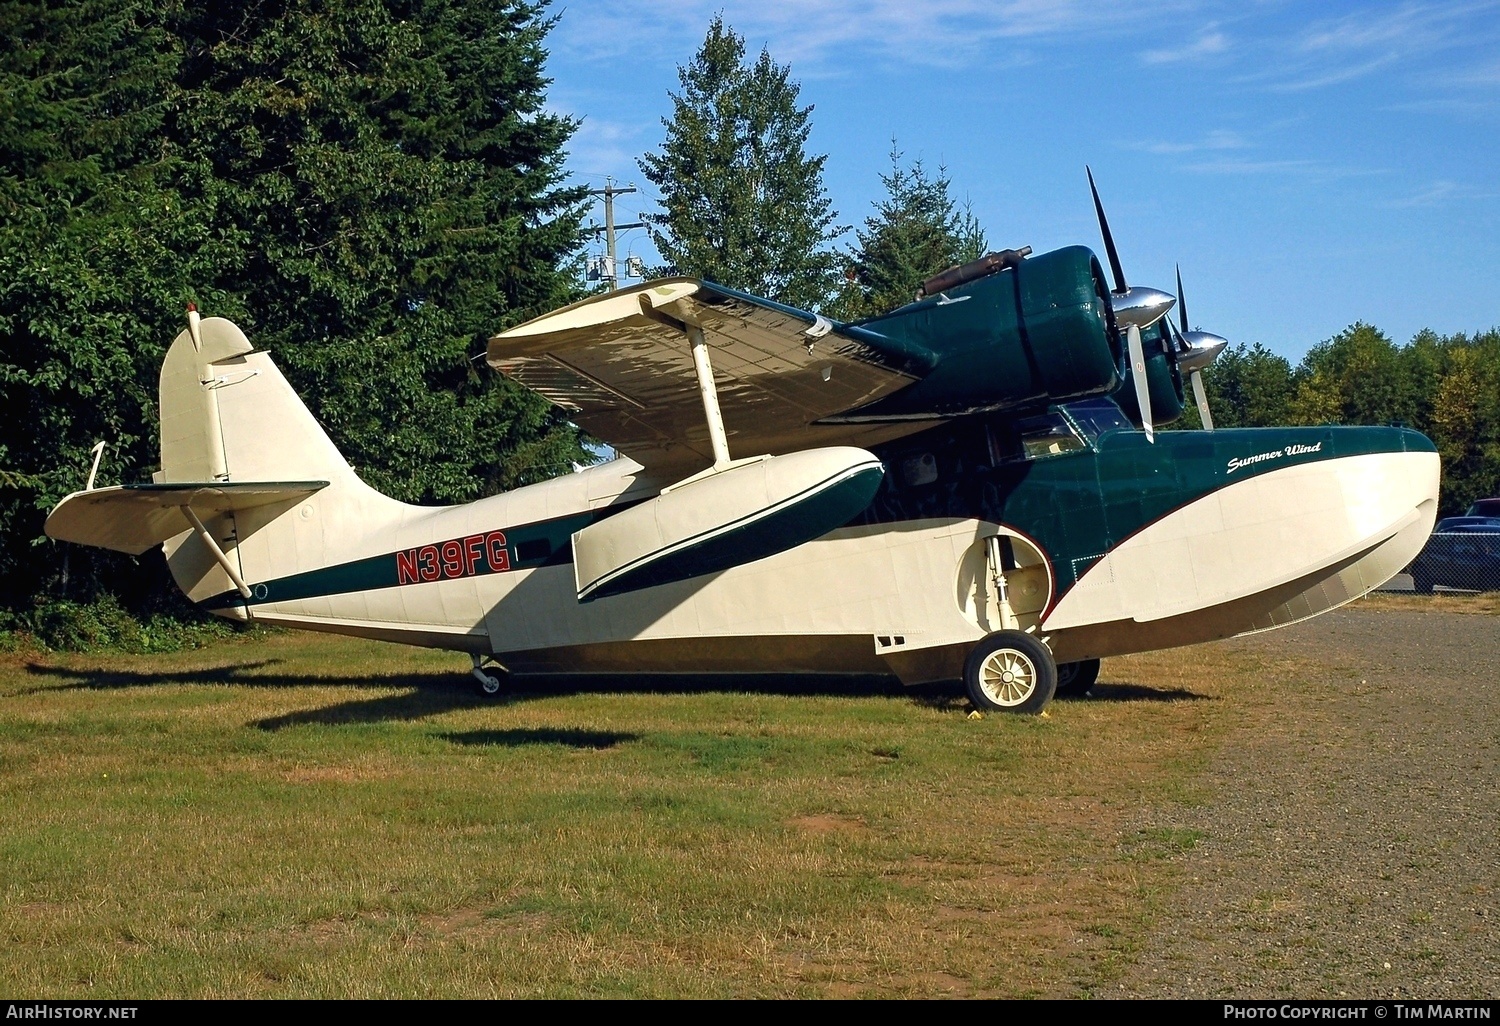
x=1351, y=847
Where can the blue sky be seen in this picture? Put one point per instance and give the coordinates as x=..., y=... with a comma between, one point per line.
x=1308, y=164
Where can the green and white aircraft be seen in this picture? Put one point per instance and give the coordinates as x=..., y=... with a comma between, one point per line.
x=970, y=486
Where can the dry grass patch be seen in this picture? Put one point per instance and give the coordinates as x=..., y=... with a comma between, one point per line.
x=321, y=817
x=1485, y=602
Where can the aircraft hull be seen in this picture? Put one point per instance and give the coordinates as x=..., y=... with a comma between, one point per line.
x=910, y=597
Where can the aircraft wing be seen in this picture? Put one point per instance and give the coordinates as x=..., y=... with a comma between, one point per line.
x=622, y=366
x=133, y=518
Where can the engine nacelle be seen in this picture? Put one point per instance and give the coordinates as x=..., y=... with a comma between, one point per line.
x=1034, y=334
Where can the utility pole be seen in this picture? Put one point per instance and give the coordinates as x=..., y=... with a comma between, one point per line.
x=609, y=192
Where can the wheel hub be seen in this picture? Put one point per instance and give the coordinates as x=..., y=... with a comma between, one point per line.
x=1008, y=677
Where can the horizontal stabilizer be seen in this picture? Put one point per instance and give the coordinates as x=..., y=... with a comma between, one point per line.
x=133, y=518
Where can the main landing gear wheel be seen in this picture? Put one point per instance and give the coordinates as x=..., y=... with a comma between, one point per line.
x=1075, y=679
x=1010, y=672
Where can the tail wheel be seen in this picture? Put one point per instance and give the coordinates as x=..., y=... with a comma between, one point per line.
x=1075, y=679
x=489, y=682
x=1010, y=672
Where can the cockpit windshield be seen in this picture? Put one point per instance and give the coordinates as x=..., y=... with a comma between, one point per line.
x=1047, y=435
x=1096, y=416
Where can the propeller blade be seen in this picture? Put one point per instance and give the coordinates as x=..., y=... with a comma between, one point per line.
x=1138, y=375
x=1181, y=299
x=1109, y=240
x=1201, y=395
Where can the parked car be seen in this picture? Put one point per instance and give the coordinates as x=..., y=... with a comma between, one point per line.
x=1463, y=552
x=1485, y=508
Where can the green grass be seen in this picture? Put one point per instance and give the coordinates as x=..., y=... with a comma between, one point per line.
x=308, y=816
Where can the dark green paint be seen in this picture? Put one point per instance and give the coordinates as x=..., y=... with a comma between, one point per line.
x=1081, y=504
x=1163, y=380
x=1031, y=335
x=545, y=543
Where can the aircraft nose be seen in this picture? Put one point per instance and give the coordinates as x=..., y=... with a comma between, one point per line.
x=1414, y=441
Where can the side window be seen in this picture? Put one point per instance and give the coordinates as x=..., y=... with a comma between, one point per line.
x=1048, y=435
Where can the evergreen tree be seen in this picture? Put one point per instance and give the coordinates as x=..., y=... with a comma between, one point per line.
x=743, y=203
x=916, y=231
x=95, y=251
x=371, y=189
x=384, y=183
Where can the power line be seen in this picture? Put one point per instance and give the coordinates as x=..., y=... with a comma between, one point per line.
x=611, y=269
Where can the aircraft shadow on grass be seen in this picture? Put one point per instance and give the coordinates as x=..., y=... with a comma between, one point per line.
x=430, y=694
x=1123, y=691
x=520, y=737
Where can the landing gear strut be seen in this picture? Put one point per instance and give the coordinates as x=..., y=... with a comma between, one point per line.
x=489, y=684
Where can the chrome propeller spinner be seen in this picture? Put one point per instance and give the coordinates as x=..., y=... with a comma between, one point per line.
x=1133, y=305
x=1134, y=309
x=1137, y=308
x=1195, y=351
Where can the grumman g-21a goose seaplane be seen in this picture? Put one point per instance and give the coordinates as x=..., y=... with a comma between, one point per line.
x=969, y=486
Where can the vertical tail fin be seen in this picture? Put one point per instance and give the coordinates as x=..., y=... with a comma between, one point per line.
x=228, y=414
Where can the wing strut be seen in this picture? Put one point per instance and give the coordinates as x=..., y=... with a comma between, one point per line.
x=709, y=392
x=710, y=396
x=213, y=546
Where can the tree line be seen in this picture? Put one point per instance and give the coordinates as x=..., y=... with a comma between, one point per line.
x=1446, y=386
x=371, y=188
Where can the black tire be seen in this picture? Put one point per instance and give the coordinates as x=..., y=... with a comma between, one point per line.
x=1010, y=672
x=1075, y=679
x=1421, y=583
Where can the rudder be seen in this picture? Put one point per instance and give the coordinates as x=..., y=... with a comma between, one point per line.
x=229, y=415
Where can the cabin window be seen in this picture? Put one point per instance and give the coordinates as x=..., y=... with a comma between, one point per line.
x=533, y=551
x=1051, y=434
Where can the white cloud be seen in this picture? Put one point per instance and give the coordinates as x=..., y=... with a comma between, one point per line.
x=1439, y=193
x=934, y=32
x=1334, y=75
x=1210, y=43
x=1429, y=196
x=599, y=144
x=1232, y=166
x=1336, y=50
x=1309, y=169
x=1219, y=139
